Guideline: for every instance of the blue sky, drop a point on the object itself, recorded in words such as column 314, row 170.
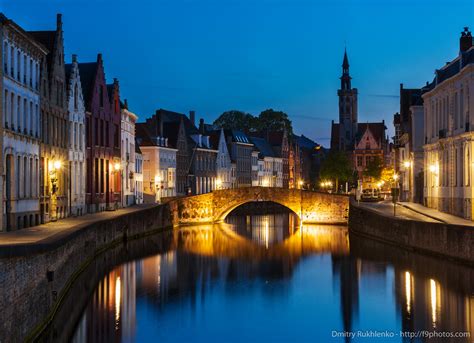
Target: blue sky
column 216, row 55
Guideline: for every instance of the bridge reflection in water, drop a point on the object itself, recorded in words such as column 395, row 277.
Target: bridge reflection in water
column 258, row 277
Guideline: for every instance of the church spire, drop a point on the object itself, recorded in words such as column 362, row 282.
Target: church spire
column 345, row 78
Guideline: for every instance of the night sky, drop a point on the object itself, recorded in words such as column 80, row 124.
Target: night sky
column 217, row 55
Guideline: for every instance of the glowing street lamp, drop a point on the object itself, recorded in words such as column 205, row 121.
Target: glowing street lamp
column 54, row 167
column 301, row 183
column 218, row 183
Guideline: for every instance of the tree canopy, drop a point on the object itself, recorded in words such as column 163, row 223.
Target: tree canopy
column 374, row 168
column 267, row 120
column 336, row 167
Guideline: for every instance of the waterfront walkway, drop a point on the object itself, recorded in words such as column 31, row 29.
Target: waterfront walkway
column 414, row 211
column 52, row 231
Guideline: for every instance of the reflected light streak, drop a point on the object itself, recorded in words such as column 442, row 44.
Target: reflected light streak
column 434, row 301
column 118, row 290
column 266, row 233
column 408, row 290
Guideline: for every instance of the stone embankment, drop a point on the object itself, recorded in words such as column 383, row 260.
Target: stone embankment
column 455, row 242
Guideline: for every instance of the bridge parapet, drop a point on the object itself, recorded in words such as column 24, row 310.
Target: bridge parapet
column 312, row 207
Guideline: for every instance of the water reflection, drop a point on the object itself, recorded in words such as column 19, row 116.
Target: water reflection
column 217, row 282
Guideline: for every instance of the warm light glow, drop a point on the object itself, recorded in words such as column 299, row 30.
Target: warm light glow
column 57, row 165
column 434, row 168
column 434, row 300
column 218, row 183
column 266, row 233
column 118, row 290
column 407, row 164
column 157, row 179
column 408, row 290
column 301, row 182
column 117, row 166
column 395, row 177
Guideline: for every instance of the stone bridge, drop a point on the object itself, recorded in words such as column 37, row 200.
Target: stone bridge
column 311, row 207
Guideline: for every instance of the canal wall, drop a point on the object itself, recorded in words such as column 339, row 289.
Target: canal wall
column 455, row 242
column 35, row 278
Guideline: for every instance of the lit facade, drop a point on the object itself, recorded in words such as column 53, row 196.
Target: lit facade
column 138, row 175
column 127, row 163
column 449, row 134
column 77, row 141
column 21, row 131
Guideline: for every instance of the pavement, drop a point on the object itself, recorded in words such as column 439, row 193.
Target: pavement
column 414, row 211
column 52, row 231
column 385, row 208
column 435, row 214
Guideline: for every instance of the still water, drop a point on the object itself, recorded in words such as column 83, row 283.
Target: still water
column 262, row 278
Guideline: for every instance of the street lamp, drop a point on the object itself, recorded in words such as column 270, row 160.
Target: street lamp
column 54, row 168
column 301, row 183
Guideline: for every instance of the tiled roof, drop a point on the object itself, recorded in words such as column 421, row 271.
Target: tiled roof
column 263, row 147
column 455, row 66
column 46, row 38
column 377, row 130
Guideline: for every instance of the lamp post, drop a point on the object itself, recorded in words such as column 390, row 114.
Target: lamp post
column 54, row 168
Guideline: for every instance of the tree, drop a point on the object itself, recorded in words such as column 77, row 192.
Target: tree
column 236, row 120
column 374, row 168
column 272, row 120
column 336, row 167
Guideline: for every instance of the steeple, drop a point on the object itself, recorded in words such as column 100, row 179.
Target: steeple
column 345, row 78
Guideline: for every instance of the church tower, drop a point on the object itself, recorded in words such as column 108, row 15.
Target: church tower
column 347, row 109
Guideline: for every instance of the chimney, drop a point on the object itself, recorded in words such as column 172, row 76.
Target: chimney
column 74, row 58
column 159, row 124
column 99, row 58
column 192, row 117
column 465, row 42
column 125, row 104
column 59, row 21
column 201, row 126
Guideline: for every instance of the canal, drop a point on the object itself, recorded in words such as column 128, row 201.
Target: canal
column 261, row 276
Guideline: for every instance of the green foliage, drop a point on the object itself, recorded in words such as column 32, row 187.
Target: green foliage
column 374, row 168
column 336, row 167
column 274, row 121
column 235, row 120
column 267, row 120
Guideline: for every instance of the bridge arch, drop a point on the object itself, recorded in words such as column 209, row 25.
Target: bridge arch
column 310, row 207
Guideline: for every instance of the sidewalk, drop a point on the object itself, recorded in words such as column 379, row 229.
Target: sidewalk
column 49, row 232
column 385, row 208
column 435, row 214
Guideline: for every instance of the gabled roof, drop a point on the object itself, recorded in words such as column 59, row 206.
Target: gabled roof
column 87, row 72
column 263, row 147
column 237, row 136
column 46, row 38
column 377, row 130
column 305, row 143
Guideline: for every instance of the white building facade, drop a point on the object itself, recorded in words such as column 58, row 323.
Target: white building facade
column 20, row 95
column 138, row 175
column 127, row 128
column 449, row 135
column 223, row 164
column 77, row 141
column 159, row 170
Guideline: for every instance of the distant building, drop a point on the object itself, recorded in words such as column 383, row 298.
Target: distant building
column 77, row 141
column 343, row 133
column 159, row 164
column 311, row 156
column 269, row 171
column 280, row 145
column 241, row 154
column 127, row 129
column 361, row 142
column 21, row 57
column 223, row 160
column 408, row 144
column 102, row 137
column 371, row 143
column 138, row 175
column 54, row 173
column 449, row 134
column 294, row 165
